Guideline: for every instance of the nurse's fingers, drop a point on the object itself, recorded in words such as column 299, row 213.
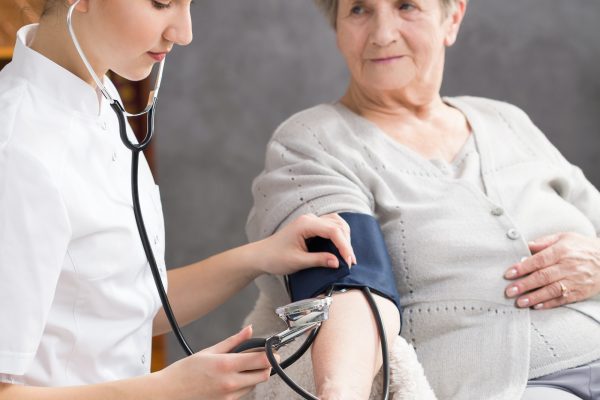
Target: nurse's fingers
column 251, row 361
column 242, row 392
column 320, row 260
column 335, row 232
column 231, row 342
column 341, row 222
column 245, row 381
column 231, row 384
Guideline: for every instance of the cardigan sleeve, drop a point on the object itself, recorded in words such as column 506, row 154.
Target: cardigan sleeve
column 305, row 172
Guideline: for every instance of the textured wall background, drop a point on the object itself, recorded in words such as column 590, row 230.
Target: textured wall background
column 255, row 62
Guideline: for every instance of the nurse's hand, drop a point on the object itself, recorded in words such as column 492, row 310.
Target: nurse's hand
column 214, row 374
column 285, row 252
column 564, row 268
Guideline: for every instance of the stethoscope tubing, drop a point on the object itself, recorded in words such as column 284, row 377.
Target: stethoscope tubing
column 153, row 94
column 139, row 219
column 271, row 343
column 135, row 148
column 268, row 344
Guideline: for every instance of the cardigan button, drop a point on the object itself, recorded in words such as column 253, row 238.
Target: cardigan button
column 498, row 211
column 513, row 234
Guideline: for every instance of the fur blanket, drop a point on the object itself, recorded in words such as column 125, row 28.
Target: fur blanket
column 407, row 379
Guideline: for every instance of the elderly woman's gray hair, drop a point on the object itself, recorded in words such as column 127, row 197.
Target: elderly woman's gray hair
column 329, row 7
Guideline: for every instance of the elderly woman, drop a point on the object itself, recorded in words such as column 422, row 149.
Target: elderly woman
column 491, row 232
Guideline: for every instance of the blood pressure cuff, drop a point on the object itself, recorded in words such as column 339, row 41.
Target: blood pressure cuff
column 373, row 268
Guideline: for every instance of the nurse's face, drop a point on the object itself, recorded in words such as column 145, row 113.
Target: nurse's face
column 130, row 36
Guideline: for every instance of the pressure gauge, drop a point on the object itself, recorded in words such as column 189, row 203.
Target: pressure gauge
column 305, row 311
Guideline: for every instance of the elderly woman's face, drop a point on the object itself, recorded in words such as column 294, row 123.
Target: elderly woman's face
column 390, row 44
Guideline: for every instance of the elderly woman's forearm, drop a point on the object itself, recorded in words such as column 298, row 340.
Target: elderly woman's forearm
column 347, row 352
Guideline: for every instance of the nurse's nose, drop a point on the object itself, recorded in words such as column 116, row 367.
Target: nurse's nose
column 180, row 30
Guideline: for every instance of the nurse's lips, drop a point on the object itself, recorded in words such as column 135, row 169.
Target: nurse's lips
column 157, row 56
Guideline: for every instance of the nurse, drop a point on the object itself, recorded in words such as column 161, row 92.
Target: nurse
column 78, row 306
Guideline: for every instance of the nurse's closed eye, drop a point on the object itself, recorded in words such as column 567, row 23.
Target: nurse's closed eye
column 160, row 5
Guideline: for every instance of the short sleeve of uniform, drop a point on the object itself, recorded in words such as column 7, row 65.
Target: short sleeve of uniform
column 34, row 235
column 306, row 171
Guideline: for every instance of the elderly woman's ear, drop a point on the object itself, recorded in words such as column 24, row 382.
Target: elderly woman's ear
column 453, row 21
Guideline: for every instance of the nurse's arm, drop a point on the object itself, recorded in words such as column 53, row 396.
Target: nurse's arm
column 211, row 373
column 154, row 386
column 347, row 351
column 137, row 388
column 199, row 288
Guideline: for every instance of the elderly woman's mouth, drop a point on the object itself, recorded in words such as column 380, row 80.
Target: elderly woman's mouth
column 385, row 60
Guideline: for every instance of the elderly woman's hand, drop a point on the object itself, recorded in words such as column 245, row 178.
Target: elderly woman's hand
column 564, row 268
column 285, row 252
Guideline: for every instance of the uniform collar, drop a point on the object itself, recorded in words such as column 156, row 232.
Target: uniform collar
column 60, row 84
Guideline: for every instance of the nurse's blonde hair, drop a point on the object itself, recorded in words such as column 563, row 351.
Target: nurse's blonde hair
column 29, row 10
column 49, row 5
column 330, row 8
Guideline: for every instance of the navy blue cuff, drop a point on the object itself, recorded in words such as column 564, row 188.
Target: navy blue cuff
column 373, row 270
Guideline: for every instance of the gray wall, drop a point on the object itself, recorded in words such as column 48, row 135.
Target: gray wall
column 255, row 62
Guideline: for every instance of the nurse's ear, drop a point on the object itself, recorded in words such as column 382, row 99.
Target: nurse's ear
column 82, row 5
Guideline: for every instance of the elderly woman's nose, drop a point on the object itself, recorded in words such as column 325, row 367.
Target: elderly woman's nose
column 384, row 30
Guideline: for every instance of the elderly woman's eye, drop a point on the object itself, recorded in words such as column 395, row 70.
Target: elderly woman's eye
column 406, row 6
column 357, row 10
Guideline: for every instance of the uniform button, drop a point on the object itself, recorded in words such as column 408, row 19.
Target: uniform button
column 114, row 156
column 513, row 234
column 155, row 239
column 496, row 212
column 104, row 126
column 143, row 359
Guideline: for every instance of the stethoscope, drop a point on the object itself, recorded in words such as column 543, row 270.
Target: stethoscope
column 305, row 316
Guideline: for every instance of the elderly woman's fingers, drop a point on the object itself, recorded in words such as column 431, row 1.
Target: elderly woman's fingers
column 557, row 294
column 565, row 270
column 544, row 258
column 538, row 279
column 555, row 291
column 543, row 242
column 553, row 303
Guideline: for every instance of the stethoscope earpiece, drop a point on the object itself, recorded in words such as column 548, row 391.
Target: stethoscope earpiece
column 153, row 94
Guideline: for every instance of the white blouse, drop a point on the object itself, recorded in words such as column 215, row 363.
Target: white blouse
column 77, row 296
